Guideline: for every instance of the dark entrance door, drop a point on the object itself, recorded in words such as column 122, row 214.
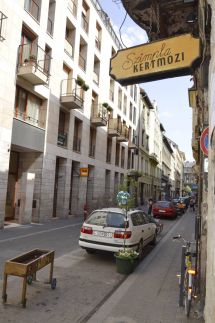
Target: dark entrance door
column 55, row 188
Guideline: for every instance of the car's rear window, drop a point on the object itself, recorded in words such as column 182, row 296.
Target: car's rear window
column 162, row 204
column 107, row 219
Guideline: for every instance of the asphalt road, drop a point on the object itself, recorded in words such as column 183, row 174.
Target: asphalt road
column 85, row 282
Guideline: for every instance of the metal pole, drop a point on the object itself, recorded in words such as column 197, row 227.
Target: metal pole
column 181, row 293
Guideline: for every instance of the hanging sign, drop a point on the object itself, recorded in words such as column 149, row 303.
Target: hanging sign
column 84, row 172
column 204, row 141
column 171, row 57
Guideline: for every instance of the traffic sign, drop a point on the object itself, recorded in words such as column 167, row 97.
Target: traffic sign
column 204, row 141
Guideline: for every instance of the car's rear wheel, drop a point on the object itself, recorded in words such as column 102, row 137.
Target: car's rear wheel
column 140, row 249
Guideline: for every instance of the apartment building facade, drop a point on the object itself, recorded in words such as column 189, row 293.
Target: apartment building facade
column 66, row 125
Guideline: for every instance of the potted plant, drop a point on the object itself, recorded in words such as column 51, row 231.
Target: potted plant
column 125, row 258
column 105, row 104
column 80, row 81
column 85, row 87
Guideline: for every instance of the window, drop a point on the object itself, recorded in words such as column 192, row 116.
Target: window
column 134, row 116
column 51, row 15
column 27, row 107
column 33, row 7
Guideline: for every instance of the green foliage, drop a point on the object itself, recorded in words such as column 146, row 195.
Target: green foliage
column 127, row 253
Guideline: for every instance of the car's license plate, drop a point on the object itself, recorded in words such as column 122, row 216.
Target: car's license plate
column 102, row 234
column 162, row 211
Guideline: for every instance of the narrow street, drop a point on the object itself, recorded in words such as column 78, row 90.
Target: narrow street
column 88, row 287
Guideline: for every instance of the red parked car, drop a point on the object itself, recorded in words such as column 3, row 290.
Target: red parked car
column 164, row 209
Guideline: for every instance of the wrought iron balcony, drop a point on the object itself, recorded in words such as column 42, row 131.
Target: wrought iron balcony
column 124, row 135
column 72, row 95
column 114, row 127
column 68, row 48
column 99, row 115
column 154, row 158
column 33, row 64
column 133, row 144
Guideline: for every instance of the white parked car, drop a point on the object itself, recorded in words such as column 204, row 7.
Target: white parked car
column 105, row 230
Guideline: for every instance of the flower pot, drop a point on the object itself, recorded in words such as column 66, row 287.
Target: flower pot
column 125, row 266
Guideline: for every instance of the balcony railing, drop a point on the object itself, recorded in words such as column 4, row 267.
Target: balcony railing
column 33, row 8
column 92, row 149
column 71, row 94
column 2, row 19
column 99, row 116
column 124, row 133
column 32, row 58
column 72, row 7
column 28, row 119
column 62, row 139
column 84, row 23
column 114, row 127
column 50, row 26
column 68, row 48
column 77, row 144
column 82, row 62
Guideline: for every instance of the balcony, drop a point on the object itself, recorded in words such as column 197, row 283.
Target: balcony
column 133, row 143
column 99, row 116
column 33, row 64
column 62, row 139
column 72, row 95
column 77, row 144
column 68, row 48
column 114, row 127
column 124, row 135
column 154, row 159
column 26, row 133
column 2, row 26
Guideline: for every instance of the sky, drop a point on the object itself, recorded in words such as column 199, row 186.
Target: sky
column 171, row 95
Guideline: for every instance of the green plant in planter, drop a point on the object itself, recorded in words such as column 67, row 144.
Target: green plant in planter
column 127, row 254
column 80, row 81
column 105, row 104
column 85, row 87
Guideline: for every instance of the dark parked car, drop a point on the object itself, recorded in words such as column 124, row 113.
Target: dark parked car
column 180, row 207
column 164, row 209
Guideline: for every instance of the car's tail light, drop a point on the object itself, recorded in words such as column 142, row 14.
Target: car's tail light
column 86, row 230
column 122, row 234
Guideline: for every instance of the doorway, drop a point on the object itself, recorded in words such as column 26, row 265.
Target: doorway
column 11, row 186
